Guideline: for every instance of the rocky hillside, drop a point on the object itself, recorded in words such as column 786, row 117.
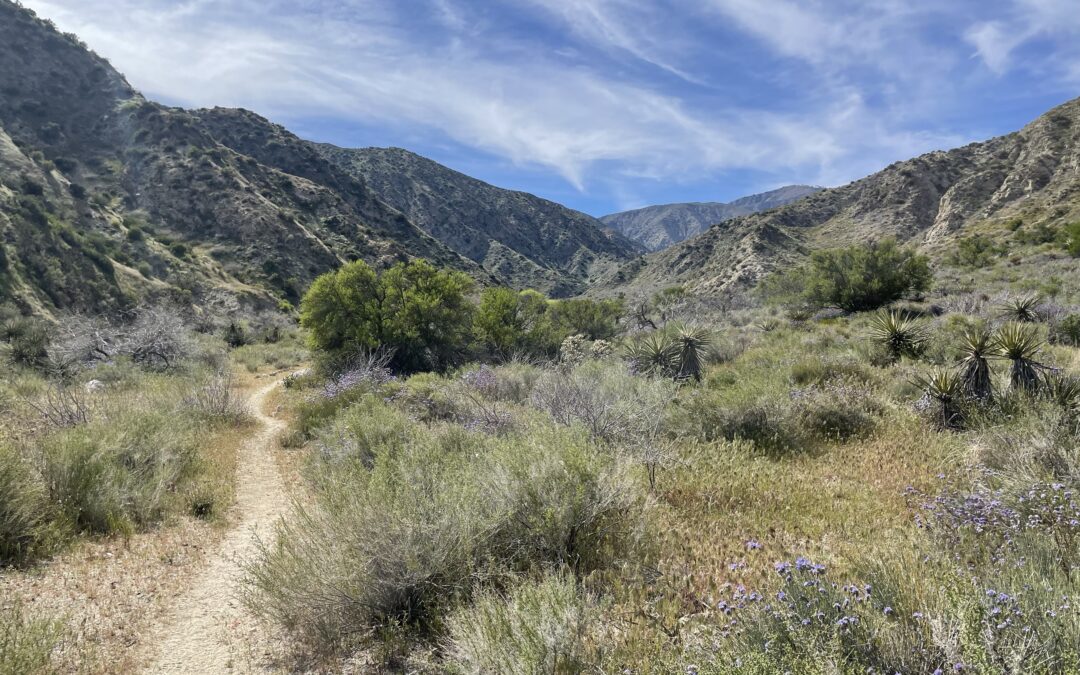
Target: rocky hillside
column 657, row 227
column 108, row 199
column 522, row 239
column 1028, row 179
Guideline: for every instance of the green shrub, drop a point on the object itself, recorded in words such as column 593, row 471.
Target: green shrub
column 29, row 342
column 413, row 309
column 978, row 250
column 840, row 411
column 854, row 279
column 363, row 431
column 26, row 644
column 429, row 522
column 121, row 473
column 539, row 627
column 595, row 319
column 1066, row 331
column 898, row 333
column 760, row 420
column 27, row 529
column 1072, row 239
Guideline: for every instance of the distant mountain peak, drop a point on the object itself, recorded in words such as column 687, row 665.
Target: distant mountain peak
column 1031, row 177
column 660, row 226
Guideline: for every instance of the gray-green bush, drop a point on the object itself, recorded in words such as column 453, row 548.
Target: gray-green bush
column 538, row 627
column 26, row 644
column 433, row 519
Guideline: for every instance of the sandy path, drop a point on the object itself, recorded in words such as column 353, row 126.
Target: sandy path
column 208, row 629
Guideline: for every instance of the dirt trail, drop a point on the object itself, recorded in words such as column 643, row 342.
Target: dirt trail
column 208, row 629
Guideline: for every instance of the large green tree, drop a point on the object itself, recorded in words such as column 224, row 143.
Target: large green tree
column 420, row 312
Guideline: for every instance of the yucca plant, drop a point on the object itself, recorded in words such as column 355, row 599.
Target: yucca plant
column 691, row 343
column 978, row 348
column 1024, row 309
column 944, row 388
column 900, row 334
column 1064, row 390
column 654, row 354
column 1020, row 344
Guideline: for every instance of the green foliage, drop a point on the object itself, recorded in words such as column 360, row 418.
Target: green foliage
column 26, row 526
column 432, row 520
column 1066, row 331
column 945, row 388
column 26, row 644
column 1063, row 390
column 29, row 342
column 1020, row 344
column 509, row 323
column 1072, row 239
column 113, row 462
column 676, row 351
column 978, row 250
column 854, row 279
column 498, row 322
column 118, row 476
column 538, row 627
column 595, row 319
column 1023, row 309
column 419, row 312
column 653, row 353
column 1042, row 233
column 977, row 348
column 691, row 343
column 899, row 333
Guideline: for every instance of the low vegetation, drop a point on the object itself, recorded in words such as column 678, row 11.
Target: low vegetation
column 751, row 495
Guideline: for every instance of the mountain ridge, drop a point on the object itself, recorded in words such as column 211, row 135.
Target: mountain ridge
column 930, row 201
column 659, row 226
column 108, row 199
column 558, row 248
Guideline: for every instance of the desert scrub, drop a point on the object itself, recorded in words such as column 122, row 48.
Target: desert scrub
column 140, row 452
column 27, row 526
column 540, row 626
column 606, row 400
column 899, row 614
column 277, row 355
column 122, row 473
column 403, row 541
column 26, row 644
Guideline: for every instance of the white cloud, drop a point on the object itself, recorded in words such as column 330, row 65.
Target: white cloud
column 366, row 61
column 1024, row 22
column 633, row 26
column 994, row 43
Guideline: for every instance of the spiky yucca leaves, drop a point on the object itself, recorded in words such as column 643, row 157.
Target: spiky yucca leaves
column 691, row 343
column 944, row 388
column 900, row 334
column 1024, row 309
column 1064, row 390
column 978, row 348
column 654, row 353
column 1020, row 344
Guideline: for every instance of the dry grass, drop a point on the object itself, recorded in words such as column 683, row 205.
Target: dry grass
column 110, row 592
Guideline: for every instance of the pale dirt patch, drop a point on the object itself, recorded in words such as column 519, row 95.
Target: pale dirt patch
column 107, row 591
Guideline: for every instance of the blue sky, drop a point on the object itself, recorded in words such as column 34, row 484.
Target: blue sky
column 605, row 105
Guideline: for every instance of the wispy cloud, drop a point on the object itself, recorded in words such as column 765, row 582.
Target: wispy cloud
column 1022, row 22
column 608, row 94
